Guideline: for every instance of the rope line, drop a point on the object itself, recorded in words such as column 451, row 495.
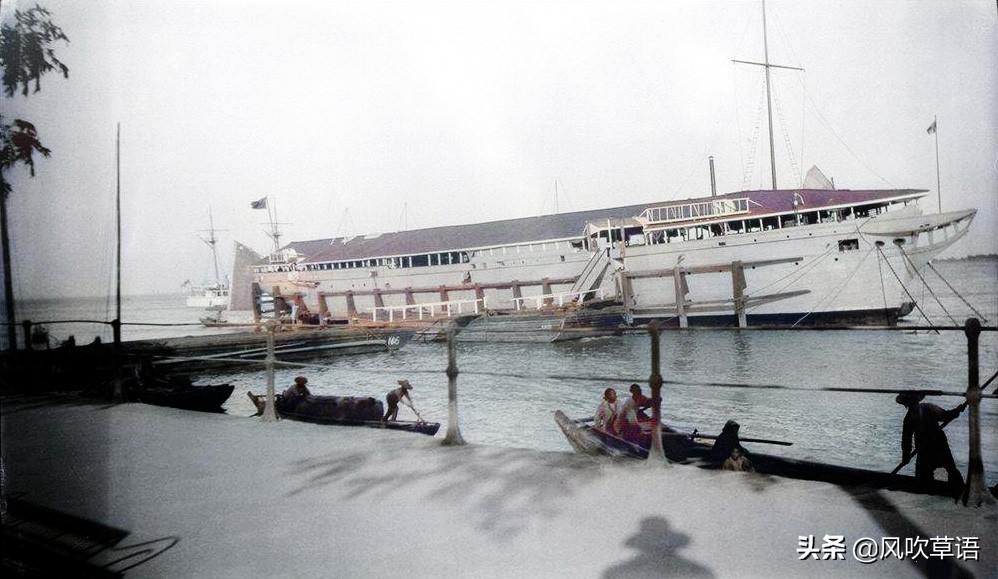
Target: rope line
column 925, row 285
column 837, row 290
column 953, row 289
column 911, row 297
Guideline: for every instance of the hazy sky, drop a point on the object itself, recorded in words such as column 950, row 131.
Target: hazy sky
column 360, row 117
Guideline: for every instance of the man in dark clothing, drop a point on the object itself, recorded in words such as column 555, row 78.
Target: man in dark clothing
column 393, row 398
column 921, row 423
column 295, row 394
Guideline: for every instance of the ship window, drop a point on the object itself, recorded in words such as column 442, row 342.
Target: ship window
column 848, row 244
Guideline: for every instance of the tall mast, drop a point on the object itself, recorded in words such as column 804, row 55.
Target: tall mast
column 116, row 324
column 274, row 233
column 769, row 95
column 211, row 241
column 117, row 212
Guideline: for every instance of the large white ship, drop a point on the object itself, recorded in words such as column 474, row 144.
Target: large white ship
column 807, row 256
column 812, row 254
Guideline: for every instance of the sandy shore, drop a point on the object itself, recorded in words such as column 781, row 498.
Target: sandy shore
column 206, row 495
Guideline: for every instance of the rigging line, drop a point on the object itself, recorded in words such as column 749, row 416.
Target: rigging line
column 897, row 277
column 842, row 141
column 800, row 274
column 838, row 289
column 883, row 288
column 953, row 289
column 925, row 285
column 786, row 136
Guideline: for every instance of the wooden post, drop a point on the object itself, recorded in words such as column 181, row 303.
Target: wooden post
column 26, row 325
column 453, row 437
column 409, row 299
column 257, row 313
column 379, row 300
column 656, row 454
column 323, row 310
column 738, row 286
column 517, row 294
column 269, row 410
column 351, row 306
column 677, row 279
column 976, row 490
column 546, row 290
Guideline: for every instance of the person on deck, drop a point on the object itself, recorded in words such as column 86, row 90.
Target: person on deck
column 606, row 412
column 295, row 394
column 921, row 424
column 394, row 397
column 626, row 423
column 641, row 402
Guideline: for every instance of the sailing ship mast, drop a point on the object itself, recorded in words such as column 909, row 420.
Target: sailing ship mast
column 211, row 241
column 116, row 323
column 769, row 96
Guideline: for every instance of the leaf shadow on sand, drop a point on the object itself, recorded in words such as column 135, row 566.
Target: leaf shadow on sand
column 503, row 489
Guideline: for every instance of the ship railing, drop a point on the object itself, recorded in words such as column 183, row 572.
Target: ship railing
column 559, row 298
column 429, row 309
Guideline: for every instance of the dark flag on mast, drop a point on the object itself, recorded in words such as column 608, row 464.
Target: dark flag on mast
column 932, row 128
column 259, row 204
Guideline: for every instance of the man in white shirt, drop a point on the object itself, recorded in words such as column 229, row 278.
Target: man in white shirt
column 607, row 411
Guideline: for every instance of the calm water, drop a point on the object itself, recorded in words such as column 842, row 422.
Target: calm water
column 508, row 391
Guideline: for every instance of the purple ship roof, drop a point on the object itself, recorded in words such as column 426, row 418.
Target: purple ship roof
column 563, row 225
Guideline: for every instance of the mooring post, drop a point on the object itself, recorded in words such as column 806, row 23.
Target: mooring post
column 119, row 395
column 453, row 437
column 680, row 289
column 26, row 324
column 656, row 454
column 269, row 409
column 976, row 490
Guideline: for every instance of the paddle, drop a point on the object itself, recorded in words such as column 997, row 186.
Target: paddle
column 411, row 407
column 740, row 439
column 695, row 434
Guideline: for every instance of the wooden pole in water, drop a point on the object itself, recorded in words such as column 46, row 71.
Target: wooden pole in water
column 656, row 453
column 269, row 409
column 453, row 437
column 976, row 491
column 116, row 322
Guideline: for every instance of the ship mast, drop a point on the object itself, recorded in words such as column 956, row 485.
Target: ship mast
column 211, row 241
column 274, row 233
column 769, row 96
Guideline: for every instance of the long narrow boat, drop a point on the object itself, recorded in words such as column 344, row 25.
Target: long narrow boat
column 318, row 412
column 685, row 449
column 208, row 398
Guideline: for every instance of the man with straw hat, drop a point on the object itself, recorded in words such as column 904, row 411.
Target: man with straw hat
column 394, row 397
column 921, row 423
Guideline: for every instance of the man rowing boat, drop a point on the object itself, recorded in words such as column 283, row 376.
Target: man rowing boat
column 921, row 424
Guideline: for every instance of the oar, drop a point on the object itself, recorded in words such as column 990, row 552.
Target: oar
column 740, row 439
column 411, row 407
column 695, row 434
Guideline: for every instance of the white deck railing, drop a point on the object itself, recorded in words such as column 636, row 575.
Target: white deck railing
column 419, row 310
column 558, row 297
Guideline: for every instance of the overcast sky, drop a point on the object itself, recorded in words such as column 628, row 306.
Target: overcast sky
column 361, row 117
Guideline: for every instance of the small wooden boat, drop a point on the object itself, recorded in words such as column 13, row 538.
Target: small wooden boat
column 343, row 411
column 207, row 398
column 684, row 448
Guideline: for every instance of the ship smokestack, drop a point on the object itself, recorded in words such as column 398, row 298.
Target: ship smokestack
column 713, row 184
